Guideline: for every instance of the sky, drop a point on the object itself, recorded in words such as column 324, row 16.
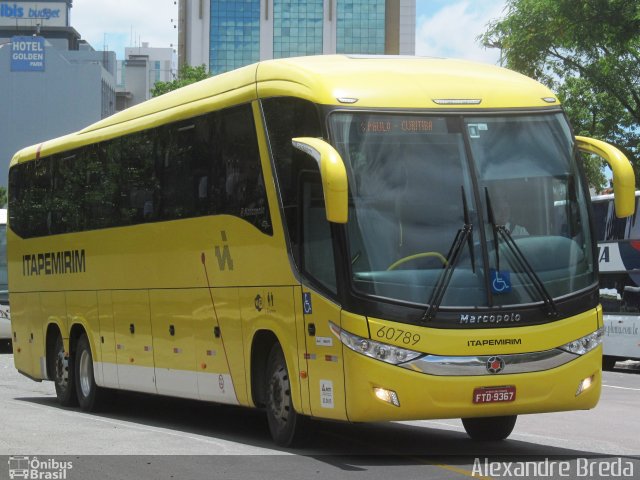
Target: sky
column 449, row 28
column 117, row 24
column 444, row 28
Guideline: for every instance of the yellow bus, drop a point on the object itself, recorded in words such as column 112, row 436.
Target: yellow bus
column 346, row 238
column 5, row 316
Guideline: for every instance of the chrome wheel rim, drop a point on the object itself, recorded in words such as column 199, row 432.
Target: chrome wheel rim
column 85, row 373
column 280, row 395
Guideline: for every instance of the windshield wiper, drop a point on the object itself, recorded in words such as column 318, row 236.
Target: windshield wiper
column 467, row 222
column 464, row 234
column 520, row 259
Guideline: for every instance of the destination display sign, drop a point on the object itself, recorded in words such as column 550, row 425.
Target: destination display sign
column 394, row 124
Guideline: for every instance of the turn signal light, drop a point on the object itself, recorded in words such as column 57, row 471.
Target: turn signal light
column 388, row 396
column 585, row 384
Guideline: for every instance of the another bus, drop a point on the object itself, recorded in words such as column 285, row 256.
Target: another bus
column 318, row 237
column 619, row 262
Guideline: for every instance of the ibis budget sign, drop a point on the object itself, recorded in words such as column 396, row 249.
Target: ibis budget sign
column 27, row 54
column 21, row 14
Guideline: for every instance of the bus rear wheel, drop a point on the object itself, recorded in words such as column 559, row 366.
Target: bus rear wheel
column 489, row 428
column 91, row 397
column 63, row 374
column 285, row 424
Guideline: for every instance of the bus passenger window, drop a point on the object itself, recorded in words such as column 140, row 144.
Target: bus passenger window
column 38, row 199
column 138, row 182
column 244, row 186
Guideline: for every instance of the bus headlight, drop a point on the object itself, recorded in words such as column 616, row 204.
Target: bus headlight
column 378, row 350
column 585, row 344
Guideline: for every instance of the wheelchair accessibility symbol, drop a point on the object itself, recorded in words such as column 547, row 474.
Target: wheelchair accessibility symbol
column 306, row 303
column 500, row 281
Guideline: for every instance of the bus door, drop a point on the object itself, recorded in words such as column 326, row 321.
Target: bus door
column 134, row 342
column 323, row 349
column 323, row 352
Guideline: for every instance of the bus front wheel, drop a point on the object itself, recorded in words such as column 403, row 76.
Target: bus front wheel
column 489, row 428
column 63, row 375
column 285, row 424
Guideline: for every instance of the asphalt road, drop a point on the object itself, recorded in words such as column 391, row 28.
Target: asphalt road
column 155, row 437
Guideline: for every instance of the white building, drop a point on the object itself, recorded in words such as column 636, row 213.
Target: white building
column 52, row 81
column 142, row 67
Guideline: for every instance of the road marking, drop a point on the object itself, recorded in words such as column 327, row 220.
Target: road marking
column 461, row 471
column 622, row 388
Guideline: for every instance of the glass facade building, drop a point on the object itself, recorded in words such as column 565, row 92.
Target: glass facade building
column 361, row 26
column 228, row 34
column 297, row 28
column 235, row 34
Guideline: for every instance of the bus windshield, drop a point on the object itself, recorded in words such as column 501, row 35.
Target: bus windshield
column 417, row 181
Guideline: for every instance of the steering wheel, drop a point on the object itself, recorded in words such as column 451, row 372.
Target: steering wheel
column 416, row 256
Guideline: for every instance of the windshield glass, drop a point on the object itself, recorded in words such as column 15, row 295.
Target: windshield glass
column 408, row 176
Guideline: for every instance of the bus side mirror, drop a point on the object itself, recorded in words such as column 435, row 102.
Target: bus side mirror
column 624, row 180
column 333, row 173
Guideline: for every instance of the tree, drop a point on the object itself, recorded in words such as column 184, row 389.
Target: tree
column 587, row 51
column 3, row 197
column 186, row 76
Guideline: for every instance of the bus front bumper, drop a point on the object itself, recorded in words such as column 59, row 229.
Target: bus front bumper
column 377, row 391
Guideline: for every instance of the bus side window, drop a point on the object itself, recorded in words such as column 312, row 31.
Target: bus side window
column 316, row 232
column 38, row 197
column 205, row 165
column 30, row 201
column 245, row 190
column 138, row 182
column 99, row 209
column 298, row 179
column 176, row 163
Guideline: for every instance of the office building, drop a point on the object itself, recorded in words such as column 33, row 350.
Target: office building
column 52, row 82
column 227, row 34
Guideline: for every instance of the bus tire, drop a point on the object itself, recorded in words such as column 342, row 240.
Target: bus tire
column 285, row 424
column 91, row 397
column 609, row 362
column 489, row 428
column 63, row 374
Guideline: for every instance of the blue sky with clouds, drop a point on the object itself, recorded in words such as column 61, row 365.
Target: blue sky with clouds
column 444, row 28
column 449, row 28
column 117, row 24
